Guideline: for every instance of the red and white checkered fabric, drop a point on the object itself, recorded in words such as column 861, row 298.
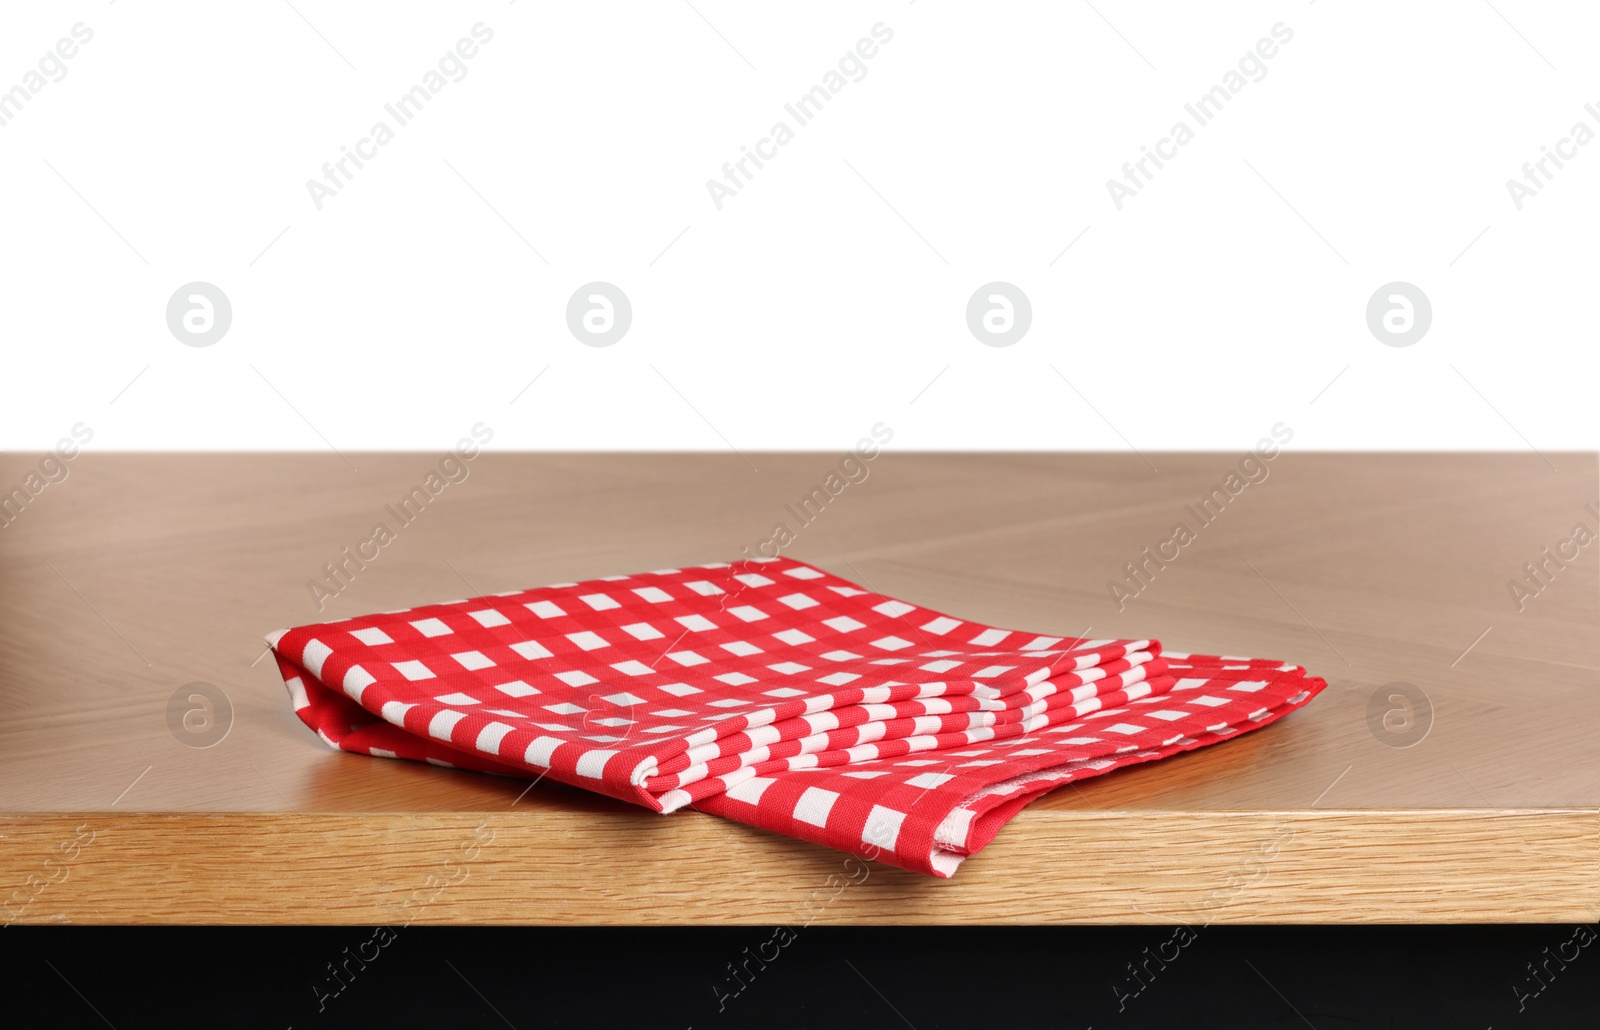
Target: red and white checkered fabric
column 770, row 692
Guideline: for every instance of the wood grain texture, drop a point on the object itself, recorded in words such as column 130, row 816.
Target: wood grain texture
column 140, row 574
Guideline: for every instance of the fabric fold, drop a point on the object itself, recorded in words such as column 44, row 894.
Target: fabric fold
column 770, row 692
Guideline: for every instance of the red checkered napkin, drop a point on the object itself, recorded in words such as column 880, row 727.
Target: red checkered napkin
column 731, row 687
column 930, row 812
column 674, row 685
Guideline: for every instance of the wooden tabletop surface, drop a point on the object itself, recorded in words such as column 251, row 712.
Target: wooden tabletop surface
column 1450, row 772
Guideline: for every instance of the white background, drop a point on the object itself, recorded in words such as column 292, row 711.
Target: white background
column 828, row 295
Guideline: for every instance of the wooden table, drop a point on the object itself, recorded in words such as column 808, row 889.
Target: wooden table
column 139, row 575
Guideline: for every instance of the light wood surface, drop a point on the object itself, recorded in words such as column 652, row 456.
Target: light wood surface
column 140, row 574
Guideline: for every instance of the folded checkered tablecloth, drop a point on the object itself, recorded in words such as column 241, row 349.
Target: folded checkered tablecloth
column 770, row 692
